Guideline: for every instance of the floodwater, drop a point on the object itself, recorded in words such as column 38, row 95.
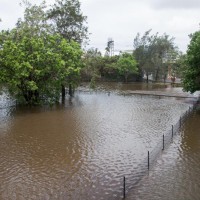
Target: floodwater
column 82, row 149
column 176, row 173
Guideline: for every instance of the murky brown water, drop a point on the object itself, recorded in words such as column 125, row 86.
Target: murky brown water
column 83, row 149
column 176, row 174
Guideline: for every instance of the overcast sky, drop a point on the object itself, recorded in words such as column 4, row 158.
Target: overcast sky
column 122, row 19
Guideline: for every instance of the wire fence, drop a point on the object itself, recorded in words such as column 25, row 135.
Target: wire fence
column 129, row 181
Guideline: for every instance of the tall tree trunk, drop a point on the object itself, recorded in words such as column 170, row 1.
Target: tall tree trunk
column 157, row 71
column 165, row 77
column 36, row 93
column 147, row 77
column 126, row 77
column 70, row 90
column 63, row 92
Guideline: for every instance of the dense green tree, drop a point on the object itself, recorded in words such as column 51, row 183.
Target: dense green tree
column 153, row 53
column 34, row 68
column 93, row 62
column 109, row 67
column 180, row 65
column 35, row 22
column 143, row 51
column 68, row 20
column 127, row 65
column 34, row 61
column 99, row 67
column 191, row 75
column 164, row 54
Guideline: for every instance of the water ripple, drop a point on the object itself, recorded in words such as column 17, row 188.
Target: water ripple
column 83, row 150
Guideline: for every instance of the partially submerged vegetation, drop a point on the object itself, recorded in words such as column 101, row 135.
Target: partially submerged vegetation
column 43, row 54
column 37, row 58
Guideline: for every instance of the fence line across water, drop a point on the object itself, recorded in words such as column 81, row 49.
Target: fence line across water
column 130, row 180
column 147, row 163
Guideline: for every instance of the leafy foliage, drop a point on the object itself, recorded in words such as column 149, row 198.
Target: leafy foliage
column 191, row 75
column 34, row 68
column 127, row 65
column 35, row 22
column 97, row 66
column 68, row 20
column 154, row 53
column 34, row 62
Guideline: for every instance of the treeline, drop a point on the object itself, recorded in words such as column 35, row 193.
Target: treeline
column 154, row 55
column 105, row 68
column 43, row 54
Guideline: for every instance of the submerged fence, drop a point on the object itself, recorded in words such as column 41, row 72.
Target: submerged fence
column 128, row 182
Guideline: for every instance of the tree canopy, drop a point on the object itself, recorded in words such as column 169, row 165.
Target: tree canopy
column 127, row 65
column 154, row 53
column 68, row 20
column 191, row 74
column 34, row 68
column 35, row 62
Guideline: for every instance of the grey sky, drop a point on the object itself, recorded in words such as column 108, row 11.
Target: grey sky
column 121, row 20
column 176, row 4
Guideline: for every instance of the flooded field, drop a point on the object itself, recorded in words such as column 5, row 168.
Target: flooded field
column 82, row 149
column 176, row 173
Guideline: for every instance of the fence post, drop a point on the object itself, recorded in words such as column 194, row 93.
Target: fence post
column 124, row 189
column 148, row 160
column 172, row 131
column 163, row 142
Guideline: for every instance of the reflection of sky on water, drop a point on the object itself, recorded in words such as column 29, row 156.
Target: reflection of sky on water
column 89, row 143
column 176, row 173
